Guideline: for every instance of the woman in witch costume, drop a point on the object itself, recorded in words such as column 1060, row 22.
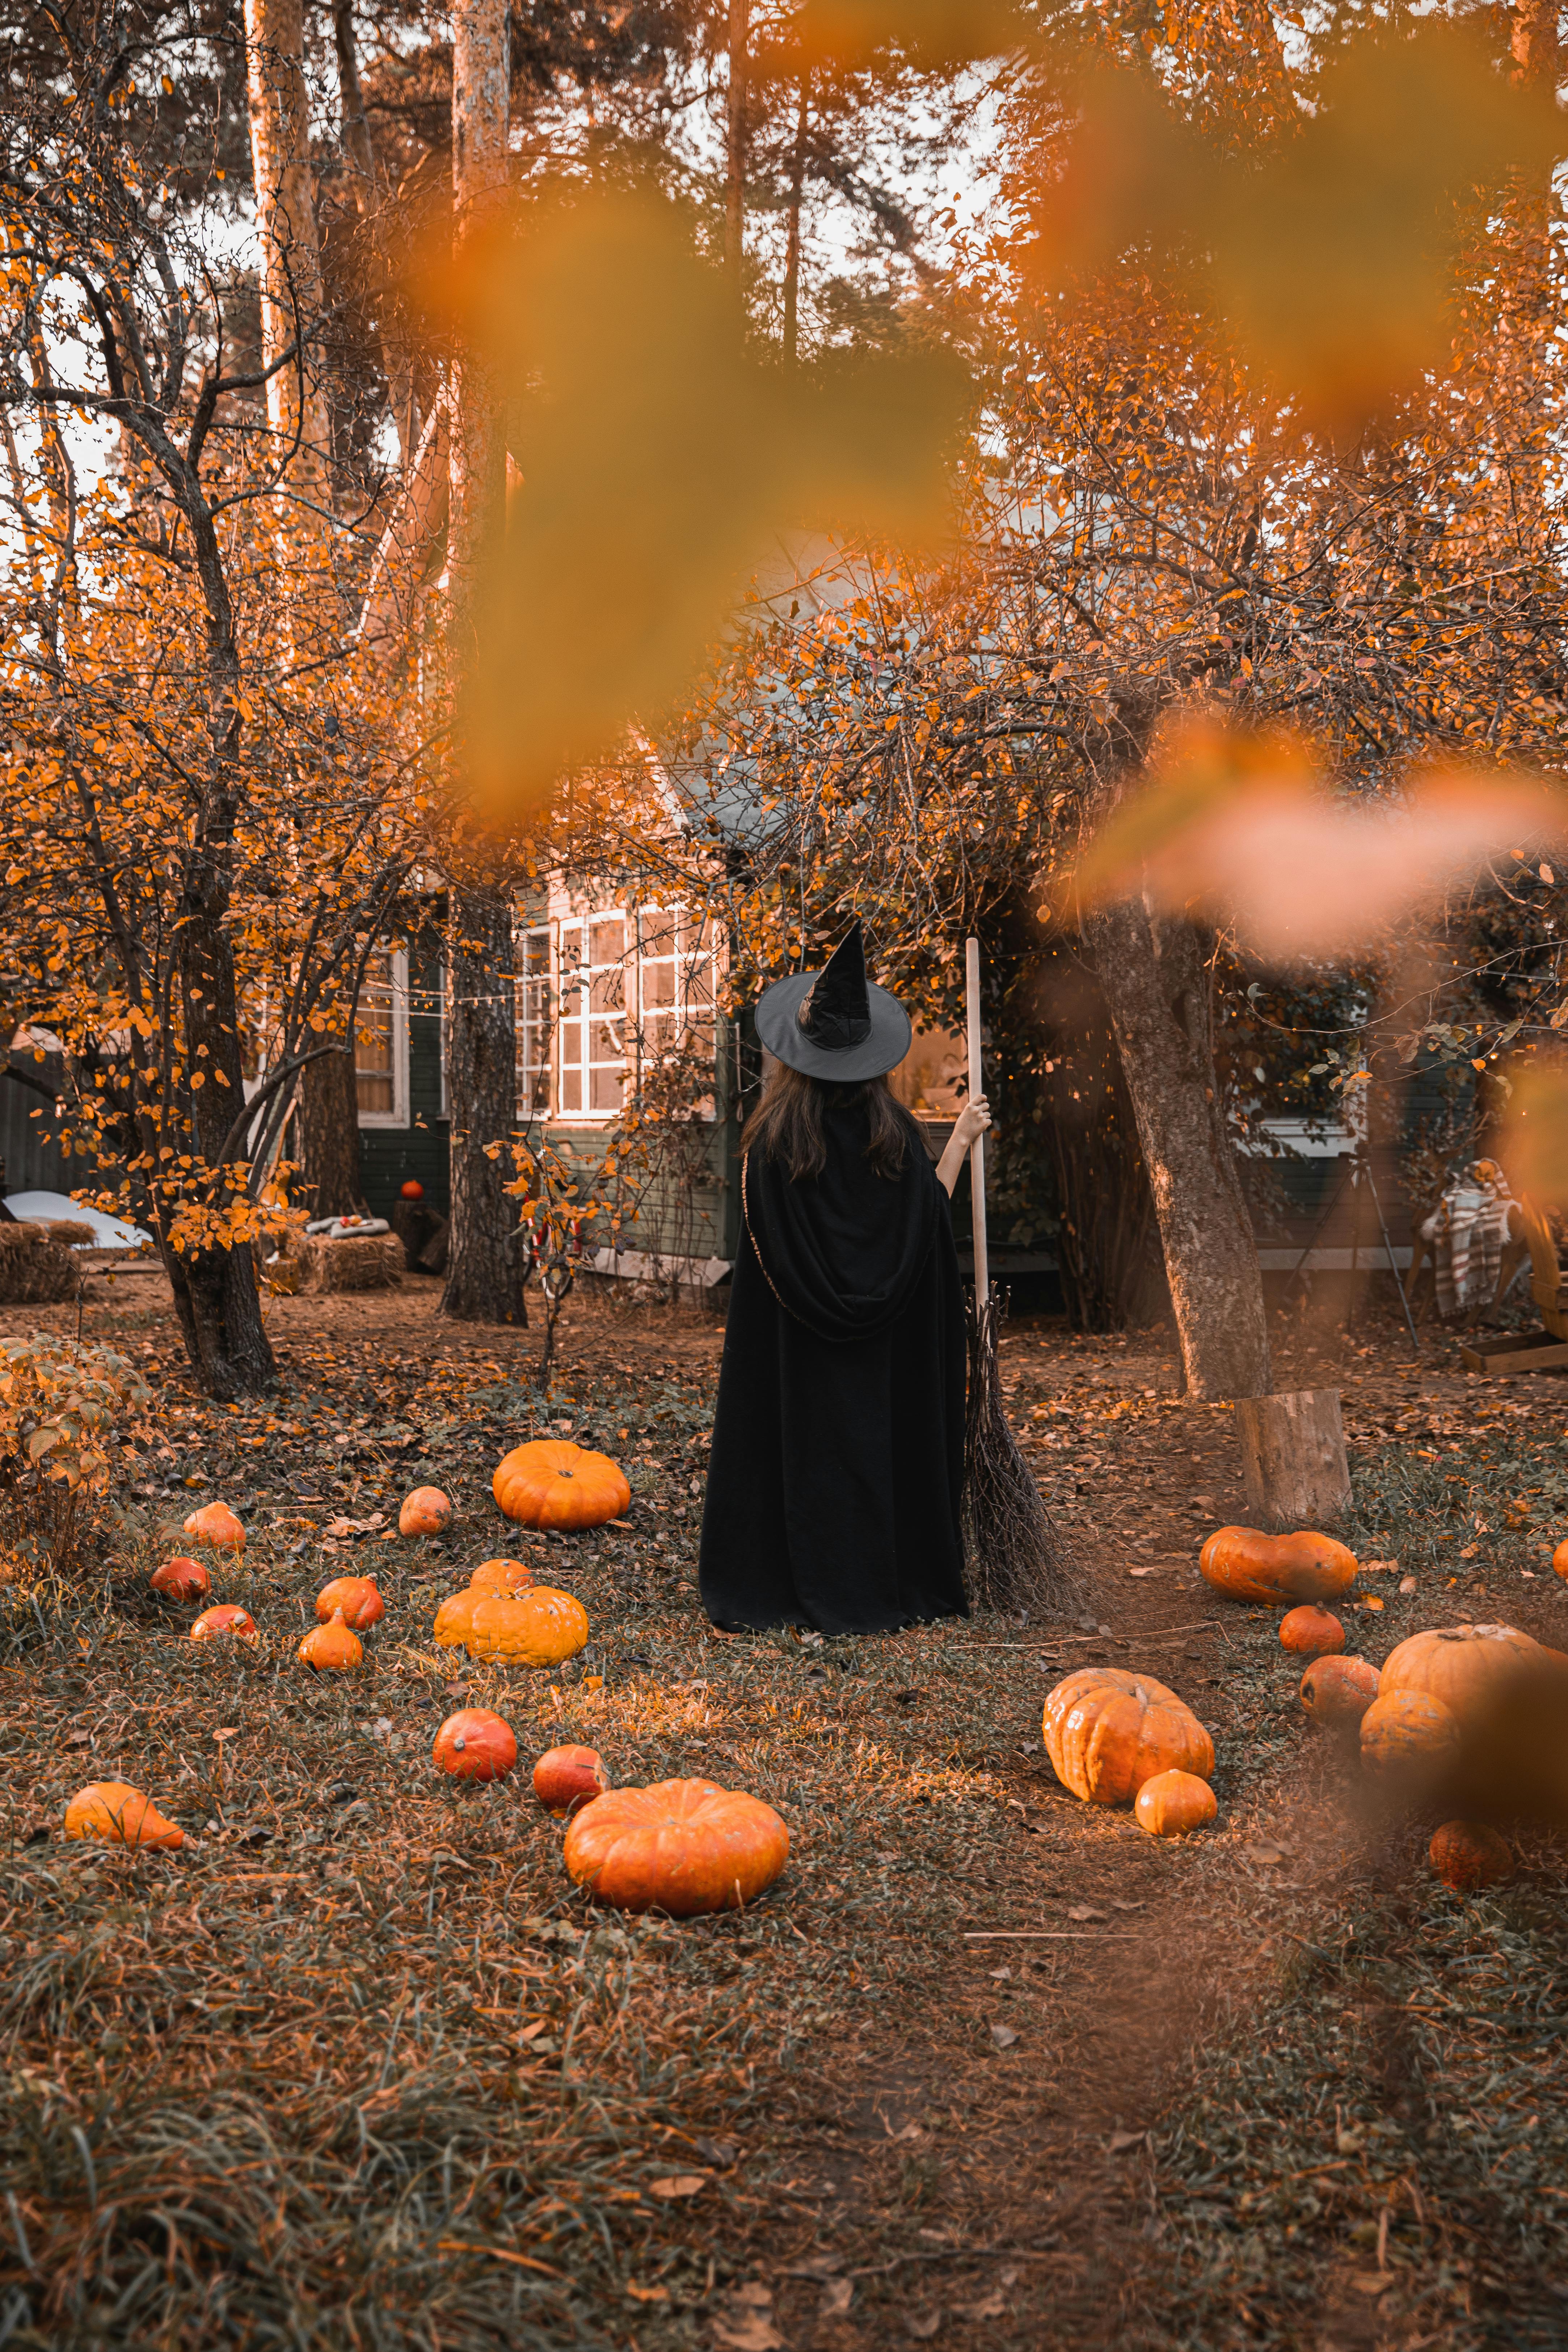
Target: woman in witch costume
column 833, row 1487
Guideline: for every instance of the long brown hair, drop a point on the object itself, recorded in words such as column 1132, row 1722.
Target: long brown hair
column 786, row 1125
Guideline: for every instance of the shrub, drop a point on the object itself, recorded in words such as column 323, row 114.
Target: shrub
column 59, row 1403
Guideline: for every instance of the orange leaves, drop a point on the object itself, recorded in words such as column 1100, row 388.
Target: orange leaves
column 660, row 461
column 1329, row 252
column 1243, row 828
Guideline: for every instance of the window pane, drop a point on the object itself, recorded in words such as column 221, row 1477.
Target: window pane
column 373, row 1067
column 658, row 983
column 570, row 1090
column 607, row 990
column 607, row 935
column 606, row 1087
column 659, row 932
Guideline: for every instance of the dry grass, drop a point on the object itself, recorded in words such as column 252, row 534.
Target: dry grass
column 359, row 2068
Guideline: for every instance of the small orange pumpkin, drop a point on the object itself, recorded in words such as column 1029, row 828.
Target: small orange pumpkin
column 1407, row 1734
column 1336, row 1692
column 1106, row 1732
column 356, row 1596
column 1467, row 1855
column 1311, row 1632
column 426, row 1512
column 551, row 1484
column 216, row 1523
column 453, row 1619
column 1275, row 1570
column 1459, row 1665
column 181, row 1580
column 475, row 1745
column 117, row 1814
column 225, row 1622
column 331, row 1649
column 501, row 1576
column 682, row 1846
column 1172, row 1803
column 540, row 1627
column 1560, row 1559
column 567, row 1779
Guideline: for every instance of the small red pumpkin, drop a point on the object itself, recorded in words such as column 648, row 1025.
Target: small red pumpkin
column 1336, row 1692
column 1467, row 1855
column 411, row 1188
column 1311, row 1632
column 356, row 1596
column 1172, row 1803
column 475, row 1745
column 567, row 1779
column 426, row 1512
column 181, row 1580
column 225, row 1622
column 331, row 1649
column 216, row 1523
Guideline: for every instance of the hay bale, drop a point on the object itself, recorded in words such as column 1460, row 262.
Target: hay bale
column 34, row 1271
column 371, row 1262
column 69, row 1231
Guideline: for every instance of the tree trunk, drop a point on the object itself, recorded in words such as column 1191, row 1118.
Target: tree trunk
column 286, row 221
column 484, row 1270
column 329, row 1137
column 792, row 242
column 484, row 1276
column 215, row 1289
column 1152, row 972
column 735, row 144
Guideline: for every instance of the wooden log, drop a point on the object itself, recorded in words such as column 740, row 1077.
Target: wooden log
column 1293, row 1454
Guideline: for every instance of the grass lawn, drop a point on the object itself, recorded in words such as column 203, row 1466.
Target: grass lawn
column 987, row 2066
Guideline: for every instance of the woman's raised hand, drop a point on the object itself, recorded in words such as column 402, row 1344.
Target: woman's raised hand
column 973, row 1119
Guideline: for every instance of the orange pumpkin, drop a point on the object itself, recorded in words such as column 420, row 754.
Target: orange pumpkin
column 1311, row 1632
column 426, row 1512
column 567, row 1779
column 1275, row 1570
column 1107, row 1731
column 1560, row 1559
column 1407, row 1733
column 1467, row 1855
column 540, row 1627
column 1460, row 1665
column 683, row 1846
column 1172, row 1803
column 181, row 1580
column 551, row 1484
column 225, row 1621
column 331, row 1649
column 1337, row 1692
column 216, row 1523
column 475, row 1745
column 501, row 1576
column 453, row 1619
column 117, row 1814
column 356, row 1596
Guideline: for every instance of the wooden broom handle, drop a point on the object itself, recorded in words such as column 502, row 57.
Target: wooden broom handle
column 977, row 1149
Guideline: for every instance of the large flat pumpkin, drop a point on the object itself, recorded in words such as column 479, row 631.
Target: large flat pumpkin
column 1276, row 1571
column 1107, row 1731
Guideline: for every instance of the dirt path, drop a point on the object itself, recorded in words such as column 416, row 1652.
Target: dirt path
column 989, row 2066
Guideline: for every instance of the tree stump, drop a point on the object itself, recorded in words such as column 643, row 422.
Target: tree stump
column 1293, row 1453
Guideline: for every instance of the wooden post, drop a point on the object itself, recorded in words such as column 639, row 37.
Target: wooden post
column 1293, row 1453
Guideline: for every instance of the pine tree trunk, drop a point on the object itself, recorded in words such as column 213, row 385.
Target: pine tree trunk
column 280, row 110
column 1152, row 972
column 484, row 1270
column 484, row 1275
column 735, row 144
column 791, row 236
column 329, row 1137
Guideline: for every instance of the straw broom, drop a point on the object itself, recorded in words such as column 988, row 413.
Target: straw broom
column 1015, row 1557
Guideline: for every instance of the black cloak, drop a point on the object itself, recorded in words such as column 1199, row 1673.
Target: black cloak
column 833, row 1485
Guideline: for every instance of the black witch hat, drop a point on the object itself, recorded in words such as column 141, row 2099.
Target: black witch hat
column 834, row 1023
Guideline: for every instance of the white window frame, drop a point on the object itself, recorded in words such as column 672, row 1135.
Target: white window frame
column 636, row 1015
column 398, row 1117
column 536, row 1026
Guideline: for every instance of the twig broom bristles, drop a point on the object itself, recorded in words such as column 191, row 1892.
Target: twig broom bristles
column 1015, row 1557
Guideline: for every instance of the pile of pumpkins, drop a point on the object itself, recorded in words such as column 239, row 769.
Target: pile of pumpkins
column 680, row 1846
column 1412, row 1717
